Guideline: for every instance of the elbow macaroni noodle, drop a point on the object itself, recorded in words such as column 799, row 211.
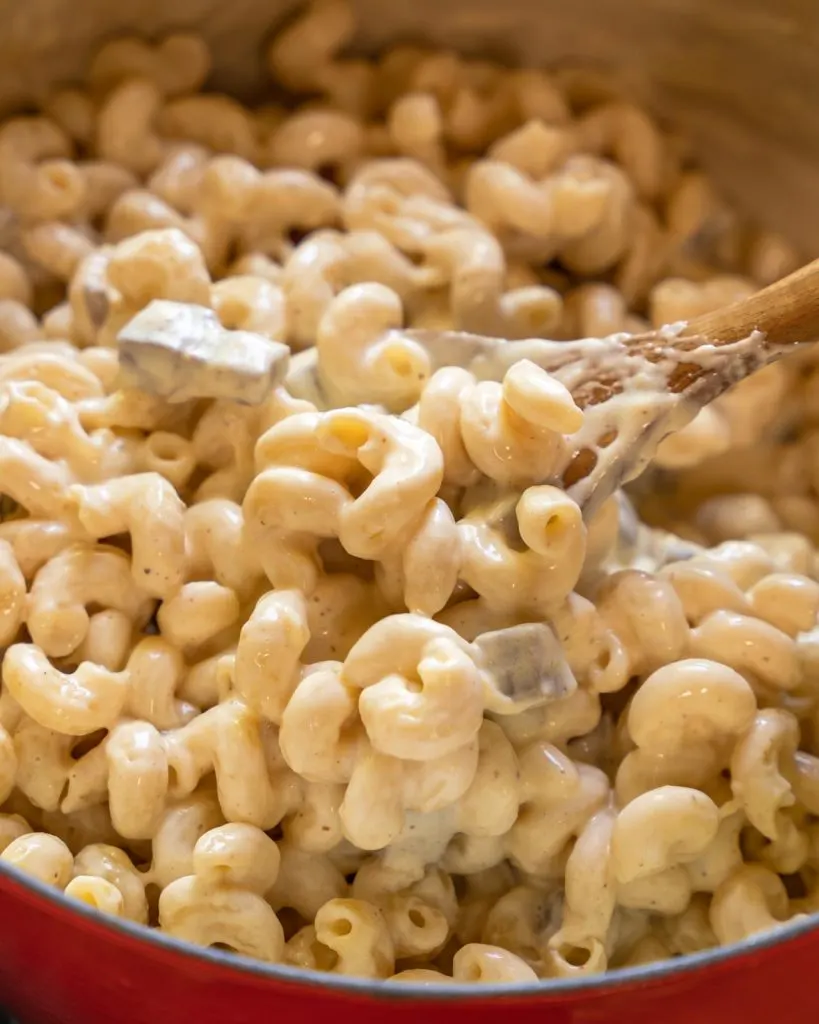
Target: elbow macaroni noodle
column 341, row 679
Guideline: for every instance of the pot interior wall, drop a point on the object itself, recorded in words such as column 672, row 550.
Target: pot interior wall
column 740, row 78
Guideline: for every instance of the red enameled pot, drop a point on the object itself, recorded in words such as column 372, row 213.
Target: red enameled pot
column 61, row 963
column 741, row 79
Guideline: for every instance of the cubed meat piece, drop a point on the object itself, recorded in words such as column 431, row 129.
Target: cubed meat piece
column 179, row 351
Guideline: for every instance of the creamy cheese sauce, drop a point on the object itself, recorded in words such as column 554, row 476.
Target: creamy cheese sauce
column 621, row 432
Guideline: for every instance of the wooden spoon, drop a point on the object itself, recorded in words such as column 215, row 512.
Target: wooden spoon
column 635, row 389
column 700, row 361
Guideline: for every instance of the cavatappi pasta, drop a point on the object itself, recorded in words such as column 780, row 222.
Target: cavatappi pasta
column 348, row 684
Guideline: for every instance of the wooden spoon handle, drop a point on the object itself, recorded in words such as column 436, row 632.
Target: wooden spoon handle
column 787, row 312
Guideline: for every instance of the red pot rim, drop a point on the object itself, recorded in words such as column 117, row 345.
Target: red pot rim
column 619, row 979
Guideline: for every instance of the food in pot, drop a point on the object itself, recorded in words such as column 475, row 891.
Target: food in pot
column 329, row 669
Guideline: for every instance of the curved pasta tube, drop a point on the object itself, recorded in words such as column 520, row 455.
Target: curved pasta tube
column 107, row 642
column 416, row 929
column 267, row 666
column 482, row 964
column 290, row 510
column 320, row 732
column 474, row 261
column 37, row 178
column 238, row 855
column 71, row 581
column 125, row 131
column 590, row 889
column 205, row 914
column 401, row 200
column 703, row 589
column 490, row 806
column 198, row 614
column 230, row 740
column 761, row 762
column 362, row 354
column 513, row 431
column 748, row 645
column 177, row 63
column 98, row 860
column 311, row 276
column 560, row 208
column 753, row 899
column 66, row 376
column 32, row 412
column 439, row 783
column 661, row 829
column 147, row 507
column 183, row 825
column 721, row 858
column 35, row 542
column 156, row 264
column 609, row 239
column 439, row 413
column 304, row 950
column 90, row 698
column 667, row 892
column 34, row 482
column 421, row 725
column 354, row 446
column 42, row 856
column 8, row 765
column 137, row 779
column 647, row 617
column 211, row 119
column 168, row 454
column 155, row 669
column 328, row 261
column 691, row 765
column 557, row 797
column 317, row 138
column 282, row 524
column 44, row 764
column 314, row 463
column 216, row 546
column 246, row 302
column 283, row 200
column 394, row 645
column 315, row 825
column 306, row 881
column 207, row 681
column 357, row 933
column 98, row 893
column 694, row 701
column 292, row 442
column 407, row 469
column 540, row 576
column 786, row 600
column 372, row 811
column 223, row 442
column 86, row 782
column 12, row 594
column 424, row 574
